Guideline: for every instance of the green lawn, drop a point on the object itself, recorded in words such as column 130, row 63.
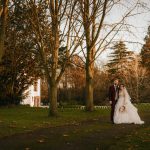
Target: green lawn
column 74, row 127
column 23, row 119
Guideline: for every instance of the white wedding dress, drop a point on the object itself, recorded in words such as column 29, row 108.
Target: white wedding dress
column 125, row 111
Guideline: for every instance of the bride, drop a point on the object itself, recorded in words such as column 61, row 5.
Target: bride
column 125, row 111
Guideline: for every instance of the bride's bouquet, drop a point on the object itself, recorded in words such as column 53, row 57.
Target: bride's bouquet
column 122, row 108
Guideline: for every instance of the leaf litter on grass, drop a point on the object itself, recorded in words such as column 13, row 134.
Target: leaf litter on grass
column 41, row 141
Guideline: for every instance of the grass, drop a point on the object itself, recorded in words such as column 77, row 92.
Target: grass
column 88, row 130
column 23, row 119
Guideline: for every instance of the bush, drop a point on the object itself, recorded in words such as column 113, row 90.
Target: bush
column 8, row 99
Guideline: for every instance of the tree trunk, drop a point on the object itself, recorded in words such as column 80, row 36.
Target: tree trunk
column 89, row 92
column 89, row 82
column 54, row 5
column 52, row 92
column 3, row 18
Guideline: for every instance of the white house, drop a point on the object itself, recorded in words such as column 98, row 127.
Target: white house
column 33, row 95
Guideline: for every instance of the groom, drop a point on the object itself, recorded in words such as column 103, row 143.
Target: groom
column 113, row 96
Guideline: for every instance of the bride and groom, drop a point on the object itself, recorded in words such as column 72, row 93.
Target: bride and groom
column 122, row 110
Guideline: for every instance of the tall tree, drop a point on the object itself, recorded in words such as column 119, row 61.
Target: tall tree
column 99, row 34
column 120, row 58
column 145, row 56
column 52, row 23
column 136, row 77
column 89, row 11
column 20, row 66
column 145, row 52
column 3, row 21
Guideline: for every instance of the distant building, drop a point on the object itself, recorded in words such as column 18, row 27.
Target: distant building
column 33, row 94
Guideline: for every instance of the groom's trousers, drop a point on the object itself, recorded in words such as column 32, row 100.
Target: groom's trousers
column 112, row 110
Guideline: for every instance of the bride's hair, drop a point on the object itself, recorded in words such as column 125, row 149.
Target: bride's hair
column 121, row 85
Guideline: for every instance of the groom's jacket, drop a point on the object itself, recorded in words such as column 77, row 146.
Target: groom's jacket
column 113, row 93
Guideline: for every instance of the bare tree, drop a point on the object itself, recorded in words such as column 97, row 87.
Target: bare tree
column 52, row 26
column 135, row 75
column 99, row 34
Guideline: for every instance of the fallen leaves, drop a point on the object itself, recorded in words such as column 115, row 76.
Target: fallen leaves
column 1, row 121
column 12, row 126
column 65, row 135
column 41, row 141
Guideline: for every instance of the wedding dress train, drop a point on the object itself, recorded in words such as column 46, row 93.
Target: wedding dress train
column 125, row 111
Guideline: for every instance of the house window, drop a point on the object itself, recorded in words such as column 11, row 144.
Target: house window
column 35, row 86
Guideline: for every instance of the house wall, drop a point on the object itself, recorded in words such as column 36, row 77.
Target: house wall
column 34, row 95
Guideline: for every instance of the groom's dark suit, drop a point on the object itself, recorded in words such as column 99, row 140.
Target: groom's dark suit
column 113, row 97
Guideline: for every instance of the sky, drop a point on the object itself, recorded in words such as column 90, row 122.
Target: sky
column 139, row 22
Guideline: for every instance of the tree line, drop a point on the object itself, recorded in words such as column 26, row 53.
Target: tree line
column 41, row 38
